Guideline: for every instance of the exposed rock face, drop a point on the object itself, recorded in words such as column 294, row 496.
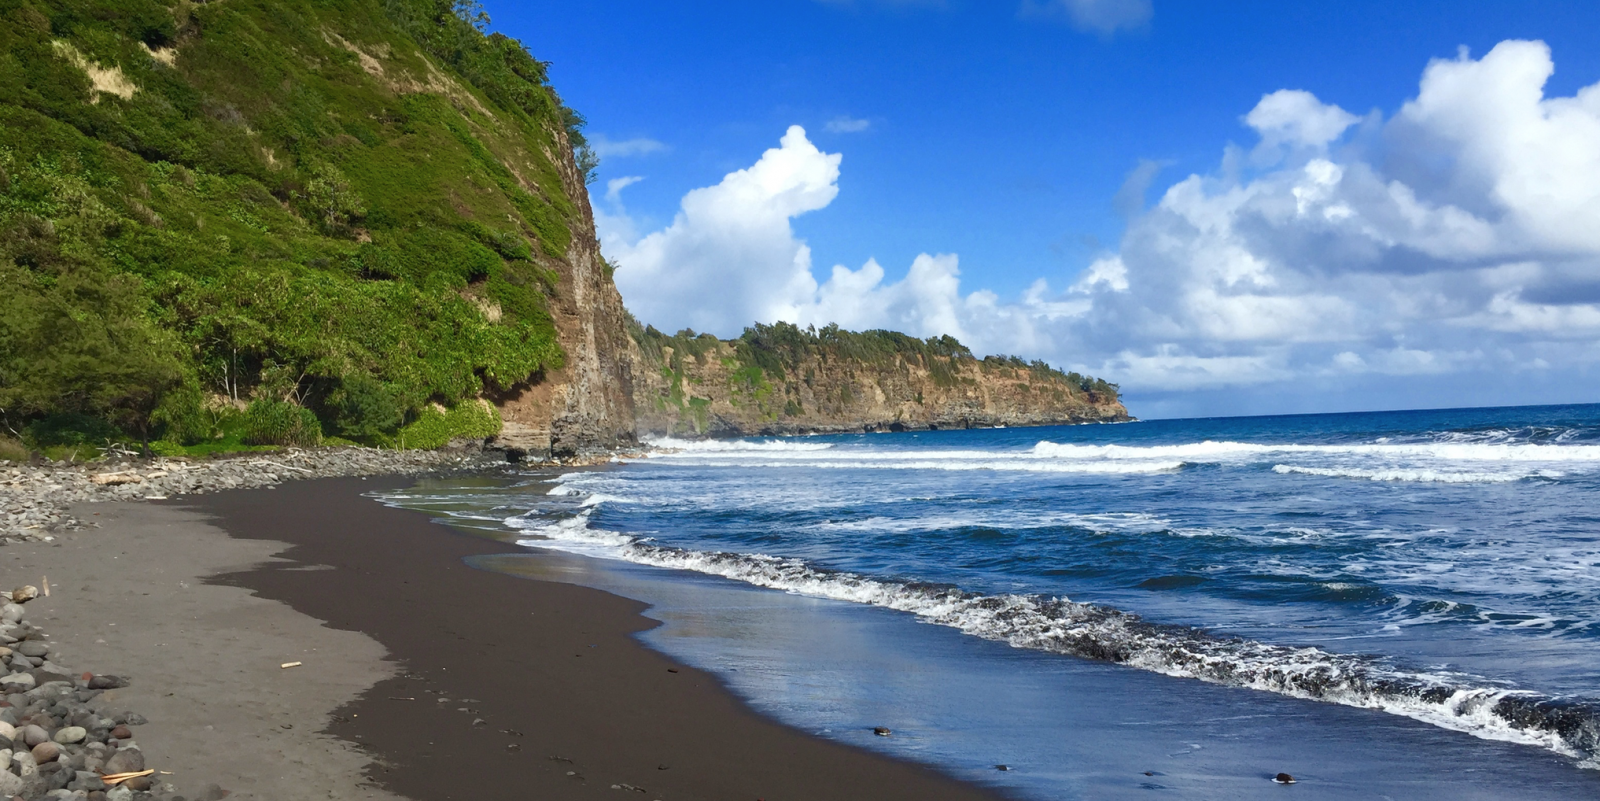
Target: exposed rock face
column 587, row 405
column 716, row 393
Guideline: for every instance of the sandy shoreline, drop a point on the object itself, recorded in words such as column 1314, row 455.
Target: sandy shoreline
column 550, row 695
column 130, row 598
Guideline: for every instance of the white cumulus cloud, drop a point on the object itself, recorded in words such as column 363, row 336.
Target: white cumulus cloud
column 1455, row 245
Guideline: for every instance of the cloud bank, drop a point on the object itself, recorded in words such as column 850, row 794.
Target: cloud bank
column 1456, row 241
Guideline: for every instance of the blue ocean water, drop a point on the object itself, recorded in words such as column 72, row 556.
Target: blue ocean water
column 1440, row 567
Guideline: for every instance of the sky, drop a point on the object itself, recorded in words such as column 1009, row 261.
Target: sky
column 1226, row 208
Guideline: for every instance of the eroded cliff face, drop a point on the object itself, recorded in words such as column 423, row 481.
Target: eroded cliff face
column 716, row 392
column 586, row 406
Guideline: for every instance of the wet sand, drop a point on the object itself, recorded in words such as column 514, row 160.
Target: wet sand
column 549, row 693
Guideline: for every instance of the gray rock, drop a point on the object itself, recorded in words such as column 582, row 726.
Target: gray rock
column 24, row 763
column 71, row 734
column 135, row 719
column 119, row 793
column 10, row 784
column 16, row 682
column 56, row 779
column 106, row 682
column 126, row 760
column 89, row 782
column 33, row 648
column 11, row 613
column 33, row 735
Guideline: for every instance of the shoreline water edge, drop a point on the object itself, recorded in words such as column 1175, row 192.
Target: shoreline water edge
column 427, row 678
column 456, row 666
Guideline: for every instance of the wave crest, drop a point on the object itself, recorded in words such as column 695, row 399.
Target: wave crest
column 1462, row 703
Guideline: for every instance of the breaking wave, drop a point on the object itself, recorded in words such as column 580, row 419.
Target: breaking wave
column 1570, row 726
column 1451, row 461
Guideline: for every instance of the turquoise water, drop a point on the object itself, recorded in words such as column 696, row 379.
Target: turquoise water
column 1434, row 569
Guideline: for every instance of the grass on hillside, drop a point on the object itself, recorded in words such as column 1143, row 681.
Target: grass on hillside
column 354, row 207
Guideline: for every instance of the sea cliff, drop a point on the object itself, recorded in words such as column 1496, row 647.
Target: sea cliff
column 782, row 380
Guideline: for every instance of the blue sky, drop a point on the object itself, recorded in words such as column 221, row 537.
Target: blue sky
column 992, row 144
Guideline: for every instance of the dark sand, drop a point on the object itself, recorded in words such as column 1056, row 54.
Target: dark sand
column 571, row 704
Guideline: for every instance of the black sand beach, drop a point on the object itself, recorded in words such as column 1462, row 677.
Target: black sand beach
column 549, row 694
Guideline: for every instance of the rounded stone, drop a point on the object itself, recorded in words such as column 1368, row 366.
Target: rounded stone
column 34, row 648
column 127, row 760
column 71, row 734
column 46, row 752
column 33, row 735
column 122, row 732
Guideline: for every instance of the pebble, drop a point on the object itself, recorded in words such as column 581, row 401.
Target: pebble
column 1283, row 778
column 52, row 744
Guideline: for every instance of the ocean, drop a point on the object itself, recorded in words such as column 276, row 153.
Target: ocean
column 1387, row 604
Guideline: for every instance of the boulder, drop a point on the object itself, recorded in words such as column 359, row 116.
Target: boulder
column 11, row 612
column 34, row 648
column 70, row 735
column 33, row 734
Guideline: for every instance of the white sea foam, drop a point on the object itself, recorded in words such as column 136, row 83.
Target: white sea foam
column 1439, row 461
column 1436, row 451
column 1453, row 701
column 1398, row 474
column 1009, row 520
column 927, row 461
column 735, row 445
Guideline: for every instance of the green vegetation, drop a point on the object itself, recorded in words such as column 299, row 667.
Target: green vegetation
column 434, row 428
column 341, row 213
column 767, row 363
column 774, row 353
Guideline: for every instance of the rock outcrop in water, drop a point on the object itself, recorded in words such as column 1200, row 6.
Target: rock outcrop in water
column 782, row 380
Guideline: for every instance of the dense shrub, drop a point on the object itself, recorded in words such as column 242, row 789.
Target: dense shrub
column 275, row 422
column 434, row 428
column 363, row 407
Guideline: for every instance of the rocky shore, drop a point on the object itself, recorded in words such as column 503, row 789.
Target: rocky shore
column 57, row 740
column 34, row 498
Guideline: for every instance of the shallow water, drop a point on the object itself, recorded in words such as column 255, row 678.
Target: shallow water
column 1442, row 567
